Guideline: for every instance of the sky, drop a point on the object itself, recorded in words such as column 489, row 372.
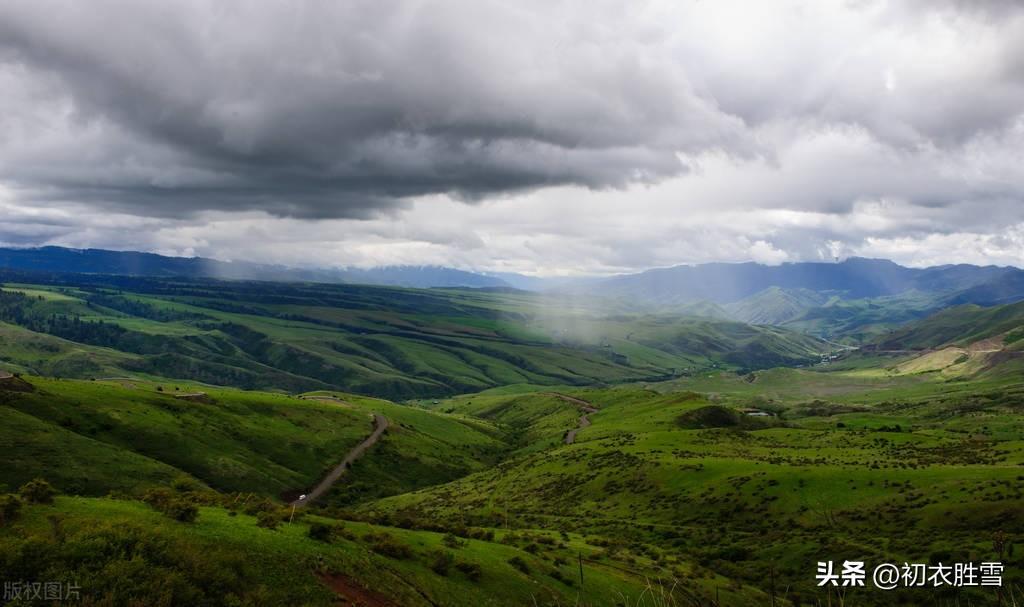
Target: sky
column 547, row 138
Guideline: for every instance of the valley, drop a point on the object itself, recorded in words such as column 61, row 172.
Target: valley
column 462, row 446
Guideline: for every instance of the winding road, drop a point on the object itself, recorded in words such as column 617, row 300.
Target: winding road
column 586, row 407
column 380, row 424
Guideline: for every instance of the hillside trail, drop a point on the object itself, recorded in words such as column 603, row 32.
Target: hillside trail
column 380, row 425
column 585, row 406
column 329, row 399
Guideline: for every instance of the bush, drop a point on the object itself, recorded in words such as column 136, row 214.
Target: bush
column 37, row 491
column 452, row 541
column 183, row 484
column 10, row 508
column 470, row 570
column 268, row 520
column 158, row 498
column 320, row 532
column 442, row 562
column 182, row 510
column 557, row 575
column 258, row 506
column 384, row 544
column 519, row 564
column 171, row 504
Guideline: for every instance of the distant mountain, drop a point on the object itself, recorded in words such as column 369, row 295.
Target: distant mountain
column 702, row 309
column 855, row 278
column 775, row 305
column 422, row 277
column 131, row 263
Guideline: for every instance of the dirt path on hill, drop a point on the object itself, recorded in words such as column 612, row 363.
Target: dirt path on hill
column 570, row 438
column 585, row 406
column 380, row 424
column 6, row 375
column 328, row 399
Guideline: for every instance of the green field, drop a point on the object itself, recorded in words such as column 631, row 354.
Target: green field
column 699, row 478
column 389, row 342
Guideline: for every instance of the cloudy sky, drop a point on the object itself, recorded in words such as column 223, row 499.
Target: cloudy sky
column 545, row 138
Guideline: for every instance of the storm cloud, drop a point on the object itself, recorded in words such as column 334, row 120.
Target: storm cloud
column 340, row 109
column 542, row 137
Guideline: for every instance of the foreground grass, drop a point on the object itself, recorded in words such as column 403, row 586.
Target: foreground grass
column 122, row 551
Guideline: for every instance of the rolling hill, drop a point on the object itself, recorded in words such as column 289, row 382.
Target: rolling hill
column 382, row 341
column 775, row 305
column 960, row 325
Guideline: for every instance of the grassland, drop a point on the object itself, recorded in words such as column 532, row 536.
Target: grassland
column 388, row 342
column 873, row 466
column 128, row 435
column 703, row 479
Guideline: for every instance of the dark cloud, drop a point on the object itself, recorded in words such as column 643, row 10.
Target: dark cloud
column 604, row 136
column 342, row 109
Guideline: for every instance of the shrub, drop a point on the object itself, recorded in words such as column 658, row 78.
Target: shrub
column 384, row 544
column 470, row 570
column 171, row 504
column 183, row 483
column 442, row 561
column 267, row 519
column 519, row 564
column 321, row 532
column 452, row 541
column 258, row 506
column 10, row 508
column 37, row 491
column 557, row 575
column 158, row 497
column 182, row 510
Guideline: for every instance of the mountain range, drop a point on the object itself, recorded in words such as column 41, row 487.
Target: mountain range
column 854, row 298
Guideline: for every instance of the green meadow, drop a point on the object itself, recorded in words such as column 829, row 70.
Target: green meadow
column 710, row 463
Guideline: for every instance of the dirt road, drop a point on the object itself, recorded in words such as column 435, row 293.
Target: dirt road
column 570, row 438
column 585, row 406
column 380, row 424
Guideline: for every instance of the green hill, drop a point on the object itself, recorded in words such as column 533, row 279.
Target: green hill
column 389, row 342
column 775, row 306
column 127, row 435
column 960, row 325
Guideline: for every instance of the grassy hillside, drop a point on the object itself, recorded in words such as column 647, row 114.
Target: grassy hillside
column 872, row 466
column 959, row 325
column 116, row 551
column 775, row 306
column 390, row 342
column 93, row 437
column 683, row 473
column 225, row 451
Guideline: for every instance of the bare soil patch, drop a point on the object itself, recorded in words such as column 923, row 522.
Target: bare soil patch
column 353, row 592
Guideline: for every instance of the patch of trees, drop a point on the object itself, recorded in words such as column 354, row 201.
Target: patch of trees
column 141, row 309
